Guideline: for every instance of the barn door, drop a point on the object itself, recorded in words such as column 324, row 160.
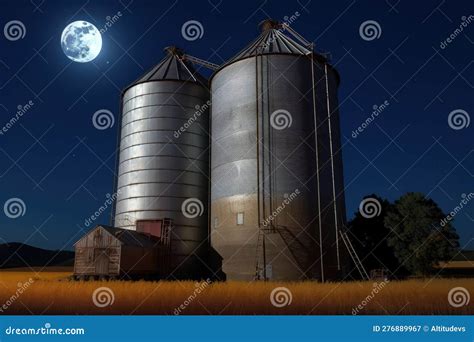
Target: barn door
column 101, row 261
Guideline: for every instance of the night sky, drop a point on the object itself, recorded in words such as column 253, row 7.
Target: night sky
column 62, row 167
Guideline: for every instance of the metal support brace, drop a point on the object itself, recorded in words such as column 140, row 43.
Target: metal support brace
column 200, row 61
column 298, row 36
column 355, row 258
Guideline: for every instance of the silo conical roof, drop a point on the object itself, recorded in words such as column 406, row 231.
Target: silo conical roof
column 173, row 67
column 272, row 40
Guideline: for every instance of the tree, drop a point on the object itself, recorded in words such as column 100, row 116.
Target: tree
column 369, row 237
column 418, row 239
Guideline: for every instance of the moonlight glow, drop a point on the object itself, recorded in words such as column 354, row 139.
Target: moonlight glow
column 81, row 41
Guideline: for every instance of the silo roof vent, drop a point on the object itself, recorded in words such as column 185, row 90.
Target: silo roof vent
column 270, row 24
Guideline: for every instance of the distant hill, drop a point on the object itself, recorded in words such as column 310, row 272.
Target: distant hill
column 17, row 254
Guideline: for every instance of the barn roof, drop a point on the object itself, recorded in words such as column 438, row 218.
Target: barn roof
column 129, row 237
column 132, row 237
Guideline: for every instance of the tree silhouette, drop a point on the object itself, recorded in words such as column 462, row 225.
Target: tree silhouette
column 418, row 239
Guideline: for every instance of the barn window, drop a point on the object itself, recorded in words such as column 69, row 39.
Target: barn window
column 240, row 219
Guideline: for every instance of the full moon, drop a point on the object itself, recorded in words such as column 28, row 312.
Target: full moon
column 81, row 41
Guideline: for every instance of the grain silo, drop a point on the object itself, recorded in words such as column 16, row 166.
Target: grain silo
column 163, row 166
column 277, row 197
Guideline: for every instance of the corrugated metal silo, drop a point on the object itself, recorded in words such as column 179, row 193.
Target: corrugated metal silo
column 164, row 157
column 277, row 198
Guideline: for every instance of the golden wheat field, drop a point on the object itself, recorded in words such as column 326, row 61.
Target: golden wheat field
column 53, row 293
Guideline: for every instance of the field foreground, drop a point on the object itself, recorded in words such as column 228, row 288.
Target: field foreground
column 52, row 293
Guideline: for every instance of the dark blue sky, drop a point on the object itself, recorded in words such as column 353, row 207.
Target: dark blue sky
column 62, row 167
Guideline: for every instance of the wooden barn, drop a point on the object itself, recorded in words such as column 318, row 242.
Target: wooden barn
column 109, row 252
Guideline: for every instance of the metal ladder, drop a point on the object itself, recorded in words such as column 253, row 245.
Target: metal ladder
column 354, row 256
column 165, row 248
column 167, row 224
column 260, row 251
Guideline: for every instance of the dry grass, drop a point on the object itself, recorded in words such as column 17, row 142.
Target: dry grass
column 52, row 293
column 457, row 264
